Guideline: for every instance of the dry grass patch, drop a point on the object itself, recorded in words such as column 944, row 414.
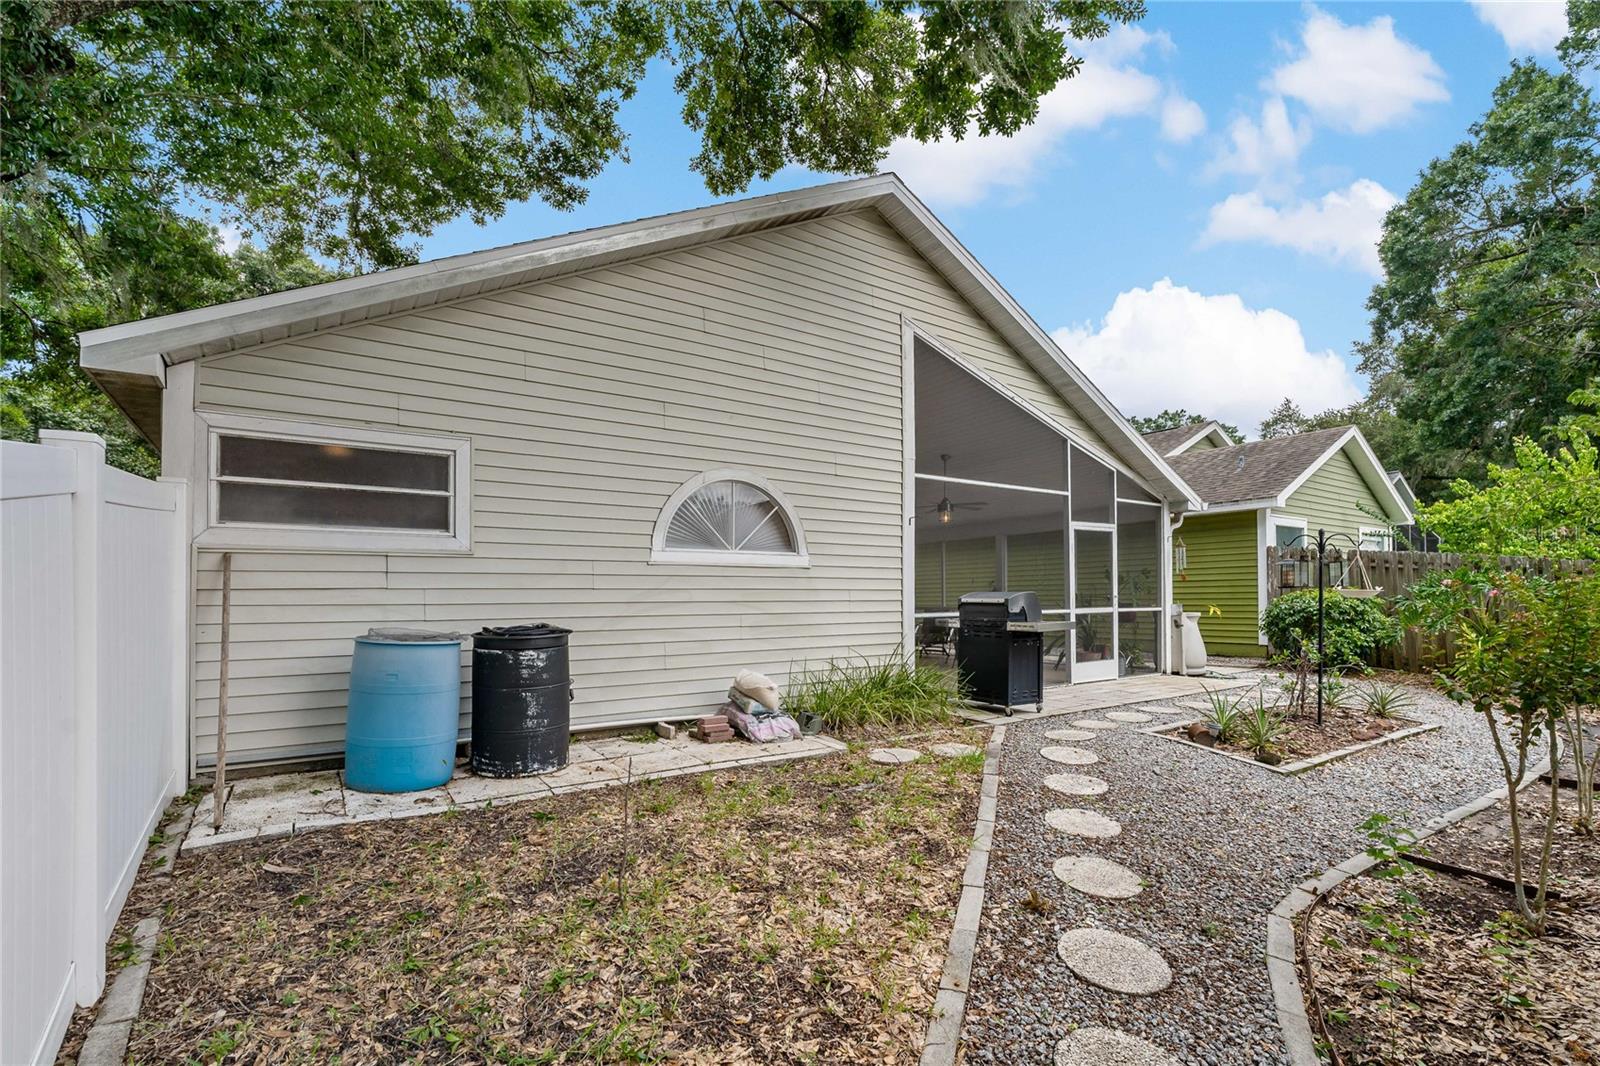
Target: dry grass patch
column 794, row 913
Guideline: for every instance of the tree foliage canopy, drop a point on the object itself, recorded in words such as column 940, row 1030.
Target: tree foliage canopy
column 1487, row 317
column 345, row 128
column 1546, row 504
column 1177, row 419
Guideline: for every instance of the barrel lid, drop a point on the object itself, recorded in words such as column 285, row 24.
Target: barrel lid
column 403, row 635
column 526, row 631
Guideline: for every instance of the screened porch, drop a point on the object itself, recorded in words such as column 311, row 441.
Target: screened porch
column 1003, row 501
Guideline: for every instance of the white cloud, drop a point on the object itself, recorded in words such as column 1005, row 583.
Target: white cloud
column 958, row 173
column 1169, row 346
column 1358, row 78
column 1182, row 120
column 1262, row 149
column 1525, row 25
column 1343, row 226
column 228, row 237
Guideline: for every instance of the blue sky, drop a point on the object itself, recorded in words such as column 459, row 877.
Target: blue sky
column 1194, row 215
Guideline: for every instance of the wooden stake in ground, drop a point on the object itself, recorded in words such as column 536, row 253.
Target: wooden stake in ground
column 219, row 790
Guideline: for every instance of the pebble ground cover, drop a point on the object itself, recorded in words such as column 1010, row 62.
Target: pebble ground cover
column 1215, row 844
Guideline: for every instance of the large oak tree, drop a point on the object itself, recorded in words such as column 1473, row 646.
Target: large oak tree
column 1486, row 320
column 347, row 129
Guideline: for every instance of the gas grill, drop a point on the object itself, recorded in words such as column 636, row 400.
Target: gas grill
column 1000, row 649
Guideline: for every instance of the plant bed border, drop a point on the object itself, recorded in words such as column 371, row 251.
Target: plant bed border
column 942, row 1042
column 1164, row 731
column 1284, row 959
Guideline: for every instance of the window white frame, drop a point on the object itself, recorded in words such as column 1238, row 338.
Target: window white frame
column 1267, row 534
column 1382, row 534
column 660, row 553
column 272, row 537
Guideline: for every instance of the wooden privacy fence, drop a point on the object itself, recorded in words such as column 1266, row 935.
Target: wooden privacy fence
column 93, row 730
column 1391, row 574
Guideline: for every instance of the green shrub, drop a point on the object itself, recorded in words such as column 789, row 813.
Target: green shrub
column 868, row 693
column 1352, row 628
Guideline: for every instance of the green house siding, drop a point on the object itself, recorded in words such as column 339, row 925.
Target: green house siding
column 1336, row 498
column 1222, row 574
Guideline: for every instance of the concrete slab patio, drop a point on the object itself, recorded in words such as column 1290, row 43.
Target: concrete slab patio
column 1145, row 688
column 281, row 805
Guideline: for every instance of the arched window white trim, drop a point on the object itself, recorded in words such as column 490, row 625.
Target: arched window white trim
column 729, row 524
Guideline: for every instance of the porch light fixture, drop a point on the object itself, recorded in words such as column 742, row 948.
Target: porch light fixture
column 945, row 507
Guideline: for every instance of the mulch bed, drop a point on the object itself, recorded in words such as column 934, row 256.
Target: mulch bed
column 1483, row 992
column 789, row 913
column 1341, row 728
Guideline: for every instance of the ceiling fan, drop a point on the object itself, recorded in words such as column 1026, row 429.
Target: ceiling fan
column 945, row 509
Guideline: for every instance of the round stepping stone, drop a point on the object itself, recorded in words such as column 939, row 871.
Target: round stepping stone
column 1070, row 756
column 1128, row 716
column 1075, row 784
column 1095, row 723
column 894, row 756
column 952, row 751
column 1114, row 962
column 1094, row 1046
column 1082, row 823
column 1071, row 734
column 1162, row 708
column 1094, row 876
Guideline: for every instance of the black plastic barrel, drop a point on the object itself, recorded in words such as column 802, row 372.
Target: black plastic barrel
column 521, row 700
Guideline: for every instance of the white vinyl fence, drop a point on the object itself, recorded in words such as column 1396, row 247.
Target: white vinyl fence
column 93, row 731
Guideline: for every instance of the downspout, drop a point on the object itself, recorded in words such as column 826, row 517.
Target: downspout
column 1176, row 523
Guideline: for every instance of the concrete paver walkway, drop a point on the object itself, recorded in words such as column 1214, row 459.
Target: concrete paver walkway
column 285, row 804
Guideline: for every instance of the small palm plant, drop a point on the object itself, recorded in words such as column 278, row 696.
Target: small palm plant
column 1226, row 713
column 1335, row 694
column 1262, row 729
column 1385, row 701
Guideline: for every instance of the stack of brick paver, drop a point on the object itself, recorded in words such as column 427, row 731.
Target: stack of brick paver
column 714, row 729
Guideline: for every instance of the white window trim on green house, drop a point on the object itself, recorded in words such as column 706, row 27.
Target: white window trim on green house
column 1381, row 538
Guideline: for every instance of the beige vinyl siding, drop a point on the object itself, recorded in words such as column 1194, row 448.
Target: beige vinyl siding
column 1222, row 574
column 1336, row 498
column 588, row 400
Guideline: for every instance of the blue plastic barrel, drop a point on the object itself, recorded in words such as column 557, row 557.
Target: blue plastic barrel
column 404, row 714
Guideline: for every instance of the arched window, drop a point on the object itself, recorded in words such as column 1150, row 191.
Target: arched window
column 729, row 518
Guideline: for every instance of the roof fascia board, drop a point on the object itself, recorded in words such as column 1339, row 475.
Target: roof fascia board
column 1372, row 471
column 1210, row 429
column 1242, row 505
column 138, row 342
column 145, row 342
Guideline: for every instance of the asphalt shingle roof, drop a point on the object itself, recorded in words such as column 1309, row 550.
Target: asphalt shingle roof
column 1164, row 440
column 1258, row 470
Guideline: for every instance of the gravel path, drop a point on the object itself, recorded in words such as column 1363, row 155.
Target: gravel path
column 1220, row 843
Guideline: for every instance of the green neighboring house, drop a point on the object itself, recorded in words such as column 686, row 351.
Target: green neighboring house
column 1267, row 492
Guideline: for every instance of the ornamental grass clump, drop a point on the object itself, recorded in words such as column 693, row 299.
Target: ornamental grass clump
column 1227, row 713
column 873, row 694
column 1261, row 730
column 1385, row 701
